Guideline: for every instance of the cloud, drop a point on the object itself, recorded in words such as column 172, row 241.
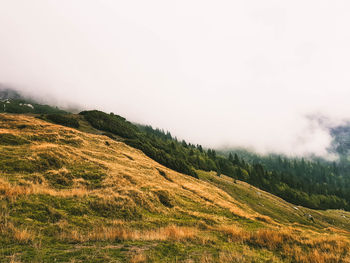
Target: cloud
column 240, row 73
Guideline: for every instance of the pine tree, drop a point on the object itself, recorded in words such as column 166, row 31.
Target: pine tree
column 230, row 158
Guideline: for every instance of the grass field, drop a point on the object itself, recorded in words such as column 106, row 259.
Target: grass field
column 71, row 196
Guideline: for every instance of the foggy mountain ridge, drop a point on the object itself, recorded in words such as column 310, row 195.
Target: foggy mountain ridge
column 179, row 131
column 341, row 140
column 8, row 93
column 340, row 133
column 247, row 78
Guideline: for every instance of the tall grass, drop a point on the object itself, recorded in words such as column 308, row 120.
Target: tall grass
column 299, row 247
column 213, row 218
column 172, row 232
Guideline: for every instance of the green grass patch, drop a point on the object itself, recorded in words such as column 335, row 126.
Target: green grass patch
column 11, row 139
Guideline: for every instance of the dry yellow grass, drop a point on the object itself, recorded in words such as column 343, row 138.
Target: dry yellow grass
column 13, row 259
column 138, row 258
column 129, row 170
column 133, row 181
column 302, row 247
column 295, row 246
column 314, row 255
column 245, row 255
column 272, row 239
column 234, row 233
column 12, row 190
column 268, row 238
column 20, row 235
column 172, row 232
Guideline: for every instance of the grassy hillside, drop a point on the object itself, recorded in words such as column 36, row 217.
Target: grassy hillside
column 317, row 184
column 70, row 196
column 314, row 183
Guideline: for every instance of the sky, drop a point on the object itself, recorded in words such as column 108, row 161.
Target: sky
column 248, row 73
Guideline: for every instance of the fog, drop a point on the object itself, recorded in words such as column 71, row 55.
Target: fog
column 249, row 73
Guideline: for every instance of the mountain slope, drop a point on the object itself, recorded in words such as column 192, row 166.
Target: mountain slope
column 314, row 182
column 70, row 196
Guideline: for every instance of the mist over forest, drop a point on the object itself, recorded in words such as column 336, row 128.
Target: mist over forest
column 232, row 74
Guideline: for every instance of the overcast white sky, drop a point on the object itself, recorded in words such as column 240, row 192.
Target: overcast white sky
column 223, row 72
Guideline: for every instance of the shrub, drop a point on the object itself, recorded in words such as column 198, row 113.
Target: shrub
column 63, row 119
column 164, row 198
column 110, row 123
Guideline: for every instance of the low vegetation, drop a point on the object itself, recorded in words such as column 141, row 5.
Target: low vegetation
column 157, row 148
column 20, row 105
column 68, row 196
column 314, row 183
column 63, row 119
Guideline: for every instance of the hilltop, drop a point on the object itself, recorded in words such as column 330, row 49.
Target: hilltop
column 72, row 196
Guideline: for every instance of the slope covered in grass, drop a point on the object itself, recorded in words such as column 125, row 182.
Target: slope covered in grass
column 70, row 196
column 315, row 183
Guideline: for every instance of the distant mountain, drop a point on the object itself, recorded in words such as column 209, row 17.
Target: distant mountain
column 12, row 101
column 8, row 93
column 341, row 140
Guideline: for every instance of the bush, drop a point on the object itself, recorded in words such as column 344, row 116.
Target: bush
column 164, row 198
column 110, row 123
column 63, row 119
